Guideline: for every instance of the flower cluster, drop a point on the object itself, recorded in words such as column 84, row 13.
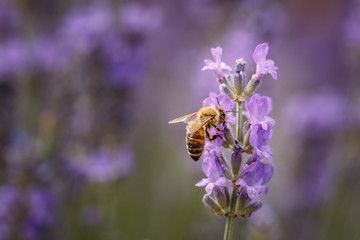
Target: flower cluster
column 117, row 36
column 247, row 181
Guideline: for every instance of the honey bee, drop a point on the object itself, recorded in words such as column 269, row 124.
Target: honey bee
column 198, row 124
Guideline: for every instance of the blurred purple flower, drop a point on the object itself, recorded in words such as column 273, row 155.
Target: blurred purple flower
column 140, row 19
column 8, row 18
column 8, row 197
column 219, row 67
column 257, row 108
column 263, row 65
column 124, row 64
column 14, row 57
column 82, row 29
column 40, row 210
column 255, row 176
column 211, row 169
column 49, row 54
column 321, row 112
column 104, row 165
column 40, row 206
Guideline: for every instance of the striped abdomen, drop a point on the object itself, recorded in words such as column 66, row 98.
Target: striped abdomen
column 195, row 143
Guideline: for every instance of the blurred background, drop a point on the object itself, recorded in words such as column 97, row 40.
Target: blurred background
column 87, row 89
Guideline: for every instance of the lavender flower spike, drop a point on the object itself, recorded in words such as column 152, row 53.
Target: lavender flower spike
column 263, row 65
column 219, row 67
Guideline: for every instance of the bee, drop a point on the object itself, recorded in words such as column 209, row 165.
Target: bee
column 198, row 124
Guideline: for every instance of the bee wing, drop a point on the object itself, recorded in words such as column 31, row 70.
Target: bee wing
column 197, row 124
column 186, row 118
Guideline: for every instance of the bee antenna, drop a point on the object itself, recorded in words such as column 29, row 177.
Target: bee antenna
column 218, row 101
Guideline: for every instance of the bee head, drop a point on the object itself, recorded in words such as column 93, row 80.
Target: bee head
column 222, row 114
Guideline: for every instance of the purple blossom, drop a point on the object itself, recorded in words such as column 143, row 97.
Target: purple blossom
column 124, row 64
column 40, row 208
column 48, row 54
column 263, row 65
column 9, row 18
column 211, row 169
column 324, row 112
column 14, row 57
column 261, row 154
column 257, row 108
column 104, row 165
column 82, row 29
column 140, row 19
column 259, row 137
column 254, row 178
column 219, row 67
column 8, row 198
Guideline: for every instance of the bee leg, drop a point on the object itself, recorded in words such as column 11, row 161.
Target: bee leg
column 216, row 127
column 213, row 137
column 207, row 134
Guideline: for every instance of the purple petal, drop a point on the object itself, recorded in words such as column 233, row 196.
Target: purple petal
column 203, row 182
column 260, row 52
column 217, row 54
column 268, row 173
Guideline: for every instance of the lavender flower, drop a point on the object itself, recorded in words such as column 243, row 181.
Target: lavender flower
column 219, row 67
column 258, row 140
column 257, row 108
column 263, row 65
column 37, row 204
column 324, row 112
column 81, row 30
column 252, row 137
column 255, row 176
column 140, row 19
column 212, row 169
column 104, row 165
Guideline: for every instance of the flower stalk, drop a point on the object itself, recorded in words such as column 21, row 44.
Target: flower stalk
column 231, row 215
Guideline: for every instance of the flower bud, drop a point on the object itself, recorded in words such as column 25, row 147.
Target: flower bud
column 236, row 159
column 250, row 209
column 239, row 76
column 225, row 168
column 227, row 173
column 211, row 203
column 225, row 89
column 228, row 138
column 245, row 132
column 242, row 200
column 222, row 197
column 251, row 87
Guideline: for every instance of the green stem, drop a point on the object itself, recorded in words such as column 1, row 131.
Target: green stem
column 239, row 120
column 231, row 215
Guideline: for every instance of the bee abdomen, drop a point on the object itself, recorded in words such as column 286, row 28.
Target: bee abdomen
column 195, row 145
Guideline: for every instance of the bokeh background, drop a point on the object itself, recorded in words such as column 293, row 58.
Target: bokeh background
column 87, row 89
